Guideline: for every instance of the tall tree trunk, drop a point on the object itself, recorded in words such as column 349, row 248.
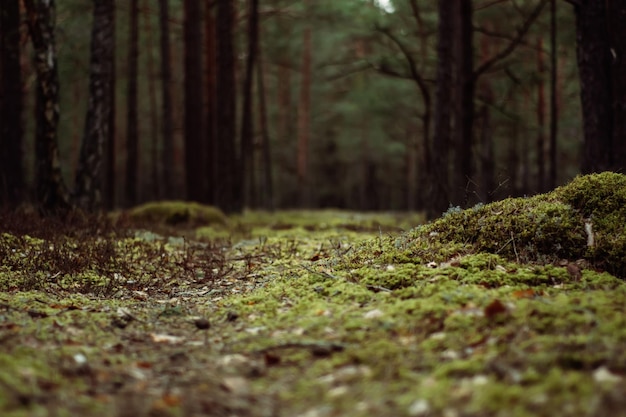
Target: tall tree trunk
column 247, row 119
column 617, row 45
column 268, row 187
column 464, row 109
column 594, row 62
column 154, row 179
column 97, row 126
column 194, row 133
column 440, row 198
column 167, row 154
column 304, row 114
column 541, row 119
column 11, row 105
column 132, row 131
column 210, row 103
column 228, row 191
column 52, row 194
column 554, row 113
column 110, row 151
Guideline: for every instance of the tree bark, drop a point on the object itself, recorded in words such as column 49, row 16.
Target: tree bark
column 132, row 130
column 210, row 99
column 194, row 128
column 595, row 84
column 617, row 45
column 464, row 109
column 228, row 190
column 11, row 105
column 97, row 126
column 110, row 158
column 540, row 112
column 52, row 194
column 154, row 191
column 167, row 154
column 440, row 198
column 554, row 111
column 268, row 187
column 304, row 114
column 247, row 119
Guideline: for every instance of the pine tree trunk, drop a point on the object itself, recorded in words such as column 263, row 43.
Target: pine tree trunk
column 268, row 187
column 595, row 84
column 194, row 133
column 247, row 119
column 210, row 103
column 304, row 115
column 11, row 105
column 541, row 119
column 554, row 114
column 167, row 153
column 110, row 151
column 440, row 198
column 132, row 129
column 97, row 126
column 464, row 110
column 52, row 194
column 155, row 189
column 228, row 190
column 617, row 46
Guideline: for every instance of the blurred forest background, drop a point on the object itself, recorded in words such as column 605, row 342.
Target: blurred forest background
column 356, row 104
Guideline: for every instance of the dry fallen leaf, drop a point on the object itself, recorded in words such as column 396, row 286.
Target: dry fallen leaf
column 166, row 338
column 495, row 308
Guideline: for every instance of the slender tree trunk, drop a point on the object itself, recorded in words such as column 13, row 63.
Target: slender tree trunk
column 268, row 187
column 97, row 126
column 443, row 95
column 595, row 84
column 228, row 191
column 488, row 160
column 554, row 114
column 167, row 153
column 541, row 119
column 304, row 114
column 617, row 45
column 52, row 194
column 110, row 166
column 156, row 188
column 464, row 109
column 247, row 119
column 210, row 103
column 132, row 131
column 194, row 134
column 11, row 105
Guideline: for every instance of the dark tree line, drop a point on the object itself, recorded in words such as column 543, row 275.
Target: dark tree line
column 226, row 143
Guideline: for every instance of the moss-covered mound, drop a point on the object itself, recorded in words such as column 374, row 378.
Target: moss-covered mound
column 177, row 212
column 585, row 219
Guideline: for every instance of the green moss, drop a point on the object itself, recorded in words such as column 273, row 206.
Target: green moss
column 177, row 212
column 409, row 317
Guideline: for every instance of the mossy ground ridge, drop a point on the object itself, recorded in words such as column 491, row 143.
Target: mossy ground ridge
column 500, row 310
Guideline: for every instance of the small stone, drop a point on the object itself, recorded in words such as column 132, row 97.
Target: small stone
column 419, row 408
column 202, row 324
column 232, row 316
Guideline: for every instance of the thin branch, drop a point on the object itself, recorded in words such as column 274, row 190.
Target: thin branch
column 366, row 66
column 416, row 14
column 488, row 5
column 505, row 36
column 521, row 32
column 421, row 83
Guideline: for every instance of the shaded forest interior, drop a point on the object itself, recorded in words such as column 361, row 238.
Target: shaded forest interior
column 356, row 104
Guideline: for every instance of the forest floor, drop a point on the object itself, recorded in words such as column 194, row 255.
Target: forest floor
column 500, row 310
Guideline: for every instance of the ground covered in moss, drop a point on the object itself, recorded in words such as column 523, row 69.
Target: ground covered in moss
column 516, row 308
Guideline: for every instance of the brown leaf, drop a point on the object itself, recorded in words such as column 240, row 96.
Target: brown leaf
column 495, row 308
